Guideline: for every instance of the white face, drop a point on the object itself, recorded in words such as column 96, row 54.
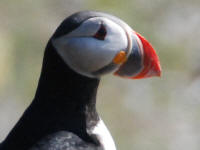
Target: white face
column 86, row 53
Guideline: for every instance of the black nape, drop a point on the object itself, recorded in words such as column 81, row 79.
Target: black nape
column 64, row 100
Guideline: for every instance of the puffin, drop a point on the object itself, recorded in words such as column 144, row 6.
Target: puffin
column 63, row 114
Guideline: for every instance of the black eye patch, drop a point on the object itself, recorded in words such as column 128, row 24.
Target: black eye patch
column 101, row 33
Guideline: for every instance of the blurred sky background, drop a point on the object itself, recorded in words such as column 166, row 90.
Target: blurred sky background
column 158, row 113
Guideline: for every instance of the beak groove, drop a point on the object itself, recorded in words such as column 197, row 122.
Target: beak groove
column 149, row 61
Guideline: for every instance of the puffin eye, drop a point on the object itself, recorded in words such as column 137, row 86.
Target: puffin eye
column 101, row 33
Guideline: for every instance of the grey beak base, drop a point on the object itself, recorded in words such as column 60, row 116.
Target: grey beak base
column 134, row 64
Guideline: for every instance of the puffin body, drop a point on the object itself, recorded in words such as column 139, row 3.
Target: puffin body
column 63, row 115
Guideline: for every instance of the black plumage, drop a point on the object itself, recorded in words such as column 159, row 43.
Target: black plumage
column 63, row 140
column 64, row 104
column 62, row 115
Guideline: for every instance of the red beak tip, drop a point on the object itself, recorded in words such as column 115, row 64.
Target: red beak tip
column 152, row 65
column 160, row 73
column 157, row 70
column 157, row 74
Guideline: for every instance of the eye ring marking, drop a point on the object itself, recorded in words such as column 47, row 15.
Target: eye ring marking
column 101, row 33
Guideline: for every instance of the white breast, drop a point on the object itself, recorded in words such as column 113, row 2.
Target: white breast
column 104, row 136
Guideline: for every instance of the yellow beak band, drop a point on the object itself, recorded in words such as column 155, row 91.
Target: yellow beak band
column 120, row 58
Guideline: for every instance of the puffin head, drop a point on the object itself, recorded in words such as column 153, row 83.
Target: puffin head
column 94, row 43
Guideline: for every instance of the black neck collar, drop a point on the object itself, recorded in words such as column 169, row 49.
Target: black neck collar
column 64, row 100
column 59, row 83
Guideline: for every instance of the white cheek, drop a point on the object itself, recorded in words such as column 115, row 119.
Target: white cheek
column 88, row 28
column 86, row 54
column 115, row 35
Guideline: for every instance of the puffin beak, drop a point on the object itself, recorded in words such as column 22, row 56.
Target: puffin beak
column 143, row 61
column 151, row 61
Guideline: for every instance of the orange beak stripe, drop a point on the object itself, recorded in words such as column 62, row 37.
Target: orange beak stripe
column 120, row 58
